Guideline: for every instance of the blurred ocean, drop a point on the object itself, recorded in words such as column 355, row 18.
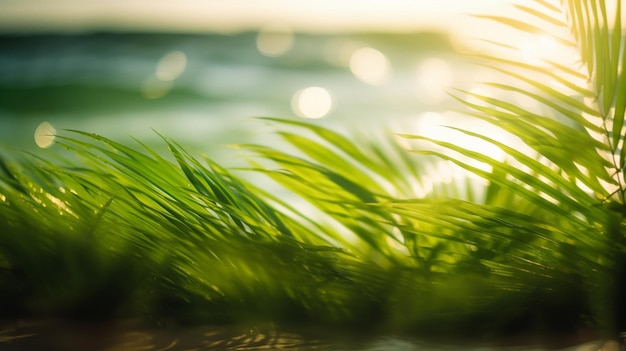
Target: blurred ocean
column 203, row 90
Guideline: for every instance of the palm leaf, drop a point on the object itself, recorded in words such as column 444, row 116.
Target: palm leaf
column 217, row 248
column 577, row 139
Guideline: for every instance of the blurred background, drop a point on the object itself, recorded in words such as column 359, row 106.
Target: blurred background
column 199, row 70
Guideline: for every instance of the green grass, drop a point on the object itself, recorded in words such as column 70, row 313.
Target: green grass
column 118, row 231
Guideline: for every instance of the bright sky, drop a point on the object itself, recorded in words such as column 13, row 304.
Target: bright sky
column 233, row 15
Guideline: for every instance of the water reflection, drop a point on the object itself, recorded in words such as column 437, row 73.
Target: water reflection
column 118, row 337
column 108, row 83
column 312, row 102
column 338, row 51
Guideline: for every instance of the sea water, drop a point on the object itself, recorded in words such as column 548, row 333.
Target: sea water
column 205, row 89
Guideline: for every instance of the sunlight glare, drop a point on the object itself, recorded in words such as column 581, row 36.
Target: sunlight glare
column 595, row 120
column 312, row 102
column 527, row 102
column 430, row 124
column 45, row 135
column 60, row 204
column 396, row 241
column 370, row 65
column 434, row 76
column 482, row 146
column 275, row 40
column 535, row 51
column 433, row 125
column 171, row 66
column 424, row 187
column 581, row 184
column 476, row 92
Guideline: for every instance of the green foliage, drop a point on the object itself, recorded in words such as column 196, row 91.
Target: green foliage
column 116, row 231
column 568, row 174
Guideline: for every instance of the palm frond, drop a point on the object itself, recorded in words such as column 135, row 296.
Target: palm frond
column 200, row 243
column 571, row 160
column 151, row 232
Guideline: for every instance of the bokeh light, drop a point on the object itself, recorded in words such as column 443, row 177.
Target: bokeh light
column 171, row 66
column 155, row 88
column 45, row 135
column 434, row 76
column 274, row 40
column 370, row 65
column 312, row 102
